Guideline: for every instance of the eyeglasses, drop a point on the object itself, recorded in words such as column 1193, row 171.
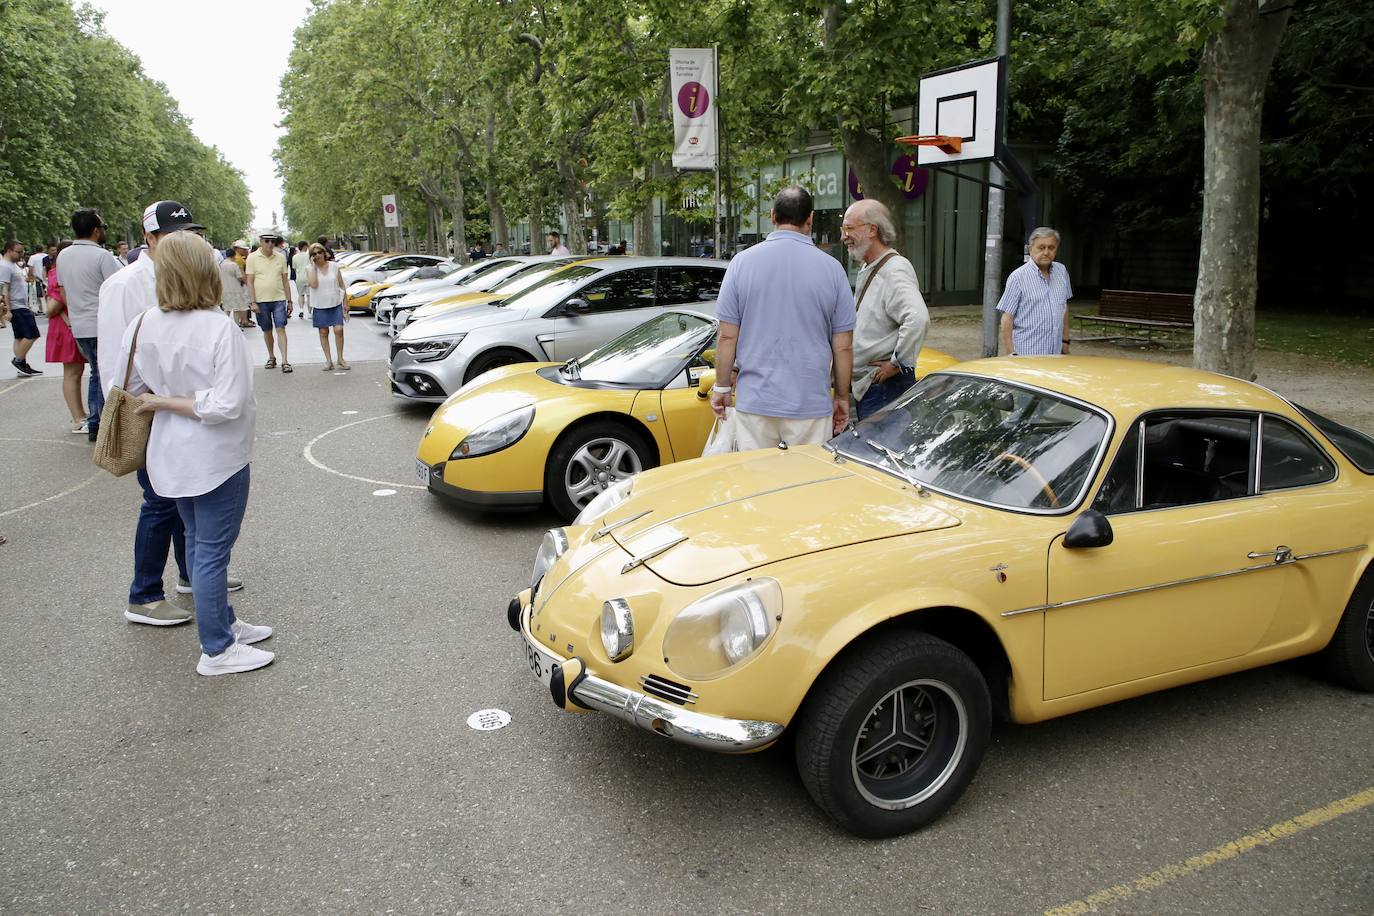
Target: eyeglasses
column 850, row 230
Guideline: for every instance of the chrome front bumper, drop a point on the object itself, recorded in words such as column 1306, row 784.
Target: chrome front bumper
column 713, row 733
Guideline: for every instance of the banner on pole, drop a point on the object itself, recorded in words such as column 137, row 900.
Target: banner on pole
column 390, row 217
column 692, row 72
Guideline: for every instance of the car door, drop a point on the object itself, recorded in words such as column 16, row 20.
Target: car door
column 685, row 284
column 1189, row 578
column 687, row 416
column 616, row 302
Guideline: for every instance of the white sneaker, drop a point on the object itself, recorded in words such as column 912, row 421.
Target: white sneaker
column 247, row 634
column 233, row 660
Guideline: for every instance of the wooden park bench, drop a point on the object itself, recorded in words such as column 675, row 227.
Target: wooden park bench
column 1138, row 315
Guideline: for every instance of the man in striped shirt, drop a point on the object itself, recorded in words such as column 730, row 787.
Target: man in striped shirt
column 1035, row 304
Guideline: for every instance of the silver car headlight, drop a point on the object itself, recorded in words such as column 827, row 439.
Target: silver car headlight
column 494, row 435
column 428, row 351
column 554, row 545
column 714, row 634
column 617, row 629
column 604, row 502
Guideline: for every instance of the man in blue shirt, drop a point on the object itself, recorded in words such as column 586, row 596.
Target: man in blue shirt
column 1035, row 304
column 787, row 324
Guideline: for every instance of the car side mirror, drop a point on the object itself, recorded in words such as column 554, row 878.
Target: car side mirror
column 705, row 383
column 1091, row 529
column 577, row 305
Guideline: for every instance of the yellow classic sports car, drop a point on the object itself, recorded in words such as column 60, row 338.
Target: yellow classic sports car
column 521, row 434
column 1022, row 537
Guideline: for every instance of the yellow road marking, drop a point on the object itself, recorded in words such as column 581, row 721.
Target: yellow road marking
column 1223, row 853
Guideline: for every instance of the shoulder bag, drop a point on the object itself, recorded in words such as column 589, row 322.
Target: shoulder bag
column 121, row 446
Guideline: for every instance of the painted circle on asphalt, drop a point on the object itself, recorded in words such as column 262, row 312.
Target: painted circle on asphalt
column 486, row 720
column 386, row 492
column 309, row 453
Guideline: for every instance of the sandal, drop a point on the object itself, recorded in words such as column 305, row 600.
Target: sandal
column 271, row 363
column 327, row 367
column 286, row 367
column 344, row 366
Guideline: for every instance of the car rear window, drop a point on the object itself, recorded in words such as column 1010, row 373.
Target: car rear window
column 1354, row 445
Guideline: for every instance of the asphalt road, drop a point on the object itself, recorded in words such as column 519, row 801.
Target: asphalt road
column 344, row 779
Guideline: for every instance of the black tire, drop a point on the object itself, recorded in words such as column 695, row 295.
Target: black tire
column 1349, row 658
column 901, row 787
column 585, row 454
column 494, row 359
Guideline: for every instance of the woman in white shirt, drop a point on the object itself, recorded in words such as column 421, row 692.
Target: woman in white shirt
column 195, row 367
column 327, row 300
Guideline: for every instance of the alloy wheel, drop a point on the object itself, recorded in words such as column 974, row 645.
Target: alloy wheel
column 910, row 744
column 596, row 465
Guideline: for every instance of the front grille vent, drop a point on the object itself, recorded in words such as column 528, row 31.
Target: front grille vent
column 668, row 690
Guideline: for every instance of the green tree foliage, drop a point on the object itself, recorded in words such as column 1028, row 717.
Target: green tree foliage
column 84, row 127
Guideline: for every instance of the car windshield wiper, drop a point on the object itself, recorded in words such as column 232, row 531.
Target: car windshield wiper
column 897, row 463
column 571, row 369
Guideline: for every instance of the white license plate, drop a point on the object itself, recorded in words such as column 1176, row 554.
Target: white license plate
column 422, row 472
column 541, row 666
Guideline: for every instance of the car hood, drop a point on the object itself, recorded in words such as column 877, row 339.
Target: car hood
column 419, row 286
column 458, row 299
column 725, row 516
column 458, row 322
column 489, row 396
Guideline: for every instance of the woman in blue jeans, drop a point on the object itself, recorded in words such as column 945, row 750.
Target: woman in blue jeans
column 194, row 366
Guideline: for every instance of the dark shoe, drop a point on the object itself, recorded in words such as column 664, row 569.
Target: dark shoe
column 22, row 367
column 31, row 369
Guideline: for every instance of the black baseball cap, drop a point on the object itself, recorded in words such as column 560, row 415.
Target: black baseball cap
column 168, row 216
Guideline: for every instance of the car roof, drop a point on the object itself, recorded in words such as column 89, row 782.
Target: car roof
column 632, row 261
column 1129, row 387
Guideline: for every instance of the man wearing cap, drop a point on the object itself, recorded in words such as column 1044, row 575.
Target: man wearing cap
column 123, row 297
column 269, row 295
column 83, row 267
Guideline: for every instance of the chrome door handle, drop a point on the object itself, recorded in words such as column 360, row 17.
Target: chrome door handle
column 1279, row 554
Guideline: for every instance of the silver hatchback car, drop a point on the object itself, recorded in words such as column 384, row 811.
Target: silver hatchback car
column 566, row 315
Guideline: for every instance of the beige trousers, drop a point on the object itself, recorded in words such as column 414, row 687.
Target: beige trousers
column 754, row 430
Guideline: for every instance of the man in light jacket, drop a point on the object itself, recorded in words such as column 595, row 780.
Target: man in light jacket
column 892, row 317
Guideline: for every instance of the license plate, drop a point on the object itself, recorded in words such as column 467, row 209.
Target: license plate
column 540, row 665
column 422, row 472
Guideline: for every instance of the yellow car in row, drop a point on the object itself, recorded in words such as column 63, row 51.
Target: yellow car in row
column 1023, row 537
column 534, row 432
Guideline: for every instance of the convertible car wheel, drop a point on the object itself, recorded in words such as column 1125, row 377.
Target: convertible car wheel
column 892, row 735
column 590, row 459
column 495, row 359
column 1349, row 659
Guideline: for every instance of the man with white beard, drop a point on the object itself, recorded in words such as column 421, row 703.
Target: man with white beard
column 892, row 317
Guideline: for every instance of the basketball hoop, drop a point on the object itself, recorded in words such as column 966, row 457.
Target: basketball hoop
column 942, row 142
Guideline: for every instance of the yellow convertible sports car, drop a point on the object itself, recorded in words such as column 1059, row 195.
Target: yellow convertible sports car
column 1022, row 537
column 519, row 434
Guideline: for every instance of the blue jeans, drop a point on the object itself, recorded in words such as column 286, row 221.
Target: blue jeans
column 881, row 394
column 212, row 523
column 159, row 526
column 95, row 394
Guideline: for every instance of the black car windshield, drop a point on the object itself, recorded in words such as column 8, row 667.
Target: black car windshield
column 1354, row 444
column 646, row 356
column 551, row 288
column 985, row 440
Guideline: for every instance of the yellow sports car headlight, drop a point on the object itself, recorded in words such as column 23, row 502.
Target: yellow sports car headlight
column 713, row 634
column 554, row 545
column 503, row 432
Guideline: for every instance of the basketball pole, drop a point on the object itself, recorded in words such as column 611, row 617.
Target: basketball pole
column 992, row 263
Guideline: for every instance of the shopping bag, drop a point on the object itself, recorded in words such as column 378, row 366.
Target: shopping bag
column 722, row 438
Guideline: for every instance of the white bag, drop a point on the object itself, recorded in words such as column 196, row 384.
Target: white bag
column 722, row 438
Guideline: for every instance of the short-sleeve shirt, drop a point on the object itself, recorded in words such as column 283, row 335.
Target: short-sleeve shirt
column 266, row 274
column 83, row 268
column 788, row 298
column 300, row 263
column 19, row 284
column 1036, row 307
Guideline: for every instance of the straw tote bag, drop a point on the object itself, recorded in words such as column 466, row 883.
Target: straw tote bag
column 122, row 443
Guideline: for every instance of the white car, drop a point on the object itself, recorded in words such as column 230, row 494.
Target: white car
column 510, row 277
column 381, row 268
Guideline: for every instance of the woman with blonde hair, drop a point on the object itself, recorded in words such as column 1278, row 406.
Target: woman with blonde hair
column 326, row 289
column 195, row 374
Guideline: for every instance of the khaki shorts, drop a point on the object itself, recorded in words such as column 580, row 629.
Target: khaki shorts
column 754, row 430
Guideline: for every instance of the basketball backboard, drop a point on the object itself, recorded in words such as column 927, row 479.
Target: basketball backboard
column 963, row 102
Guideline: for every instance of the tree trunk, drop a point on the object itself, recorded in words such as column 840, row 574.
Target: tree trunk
column 868, row 155
column 1235, row 69
column 644, row 230
column 573, row 209
column 500, row 235
column 460, row 220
